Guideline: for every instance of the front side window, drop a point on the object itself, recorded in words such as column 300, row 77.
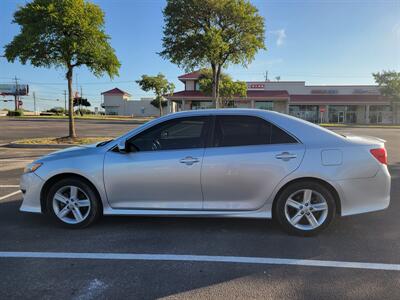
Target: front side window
column 247, row 130
column 182, row 133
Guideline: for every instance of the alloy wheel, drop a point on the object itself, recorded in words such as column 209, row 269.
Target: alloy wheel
column 71, row 204
column 306, row 209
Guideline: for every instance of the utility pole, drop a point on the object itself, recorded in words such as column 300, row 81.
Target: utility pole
column 34, row 102
column 80, row 102
column 16, row 98
column 266, row 75
column 65, row 102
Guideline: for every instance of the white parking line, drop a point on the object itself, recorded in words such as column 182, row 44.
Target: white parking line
column 205, row 258
column 9, row 185
column 9, row 195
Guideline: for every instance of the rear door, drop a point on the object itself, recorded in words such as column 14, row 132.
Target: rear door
column 248, row 157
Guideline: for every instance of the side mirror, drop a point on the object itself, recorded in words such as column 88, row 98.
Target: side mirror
column 122, row 146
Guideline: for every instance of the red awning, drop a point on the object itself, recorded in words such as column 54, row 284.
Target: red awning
column 192, row 95
column 327, row 99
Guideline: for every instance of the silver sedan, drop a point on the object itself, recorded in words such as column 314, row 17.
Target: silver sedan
column 214, row 163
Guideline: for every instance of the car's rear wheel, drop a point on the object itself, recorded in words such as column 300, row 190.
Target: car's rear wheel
column 73, row 203
column 305, row 208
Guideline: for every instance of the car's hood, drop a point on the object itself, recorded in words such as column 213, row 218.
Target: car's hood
column 70, row 152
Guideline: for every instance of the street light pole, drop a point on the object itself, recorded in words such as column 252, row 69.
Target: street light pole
column 34, row 102
column 16, row 98
column 65, row 102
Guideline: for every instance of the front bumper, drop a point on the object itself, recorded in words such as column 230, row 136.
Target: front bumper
column 32, row 185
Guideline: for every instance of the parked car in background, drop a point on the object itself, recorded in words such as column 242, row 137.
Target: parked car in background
column 243, row 163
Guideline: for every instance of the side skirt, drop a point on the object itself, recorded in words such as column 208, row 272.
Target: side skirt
column 257, row 214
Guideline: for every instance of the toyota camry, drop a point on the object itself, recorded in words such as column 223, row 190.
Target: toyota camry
column 244, row 163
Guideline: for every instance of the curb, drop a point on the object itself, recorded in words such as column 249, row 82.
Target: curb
column 38, row 146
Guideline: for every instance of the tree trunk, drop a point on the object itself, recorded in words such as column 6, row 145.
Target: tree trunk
column 15, row 102
column 72, row 133
column 217, row 87
column 160, row 106
column 214, row 86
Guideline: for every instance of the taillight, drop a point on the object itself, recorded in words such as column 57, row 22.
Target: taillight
column 380, row 154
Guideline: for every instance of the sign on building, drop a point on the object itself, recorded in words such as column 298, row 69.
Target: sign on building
column 324, row 92
column 257, row 86
column 11, row 89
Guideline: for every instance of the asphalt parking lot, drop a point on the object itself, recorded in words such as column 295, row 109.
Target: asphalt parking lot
column 173, row 244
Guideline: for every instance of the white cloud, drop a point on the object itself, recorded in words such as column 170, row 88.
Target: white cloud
column 280, row 36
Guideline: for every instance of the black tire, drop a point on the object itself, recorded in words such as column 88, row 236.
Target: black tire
column 297, row 187
column 93, row 212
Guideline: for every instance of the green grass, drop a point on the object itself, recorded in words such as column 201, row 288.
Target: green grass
column 360, row 125
column 91, row 117
column 63, row 140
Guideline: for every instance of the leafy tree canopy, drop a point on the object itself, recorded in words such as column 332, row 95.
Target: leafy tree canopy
column 79, row 101
column 229, row 89
column 212, row 33
column 159, row 85
column 66, row 34
column 389, row 84
column 63, row 33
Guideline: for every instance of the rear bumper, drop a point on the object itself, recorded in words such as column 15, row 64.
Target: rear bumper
column 32, row 185
column 365, row 194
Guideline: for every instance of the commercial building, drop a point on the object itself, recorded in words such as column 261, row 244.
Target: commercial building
column 118, row 102
column 362, row 104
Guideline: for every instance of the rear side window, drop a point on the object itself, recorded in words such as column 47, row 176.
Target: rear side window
column 278, row 136
column 247, row 130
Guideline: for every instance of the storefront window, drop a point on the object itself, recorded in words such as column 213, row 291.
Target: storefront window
column 380, row 114
column 343, row 114
column 201, row 104
column 267, row 105
column 305, row 112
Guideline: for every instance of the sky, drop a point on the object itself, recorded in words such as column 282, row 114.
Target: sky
column 320, row 42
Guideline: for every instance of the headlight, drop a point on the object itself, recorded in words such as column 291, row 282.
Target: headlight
column 32, row 167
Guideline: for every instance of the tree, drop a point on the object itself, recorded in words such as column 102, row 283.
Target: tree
column 228, row 89
column 212, row 33
column 159, row 85
column 79, row 101
column 64, row 34
column 389, row 85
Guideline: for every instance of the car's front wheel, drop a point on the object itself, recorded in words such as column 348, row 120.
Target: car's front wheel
column 305, row 208
column 73, row 203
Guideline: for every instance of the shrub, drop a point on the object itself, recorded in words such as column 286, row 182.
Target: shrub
column 15, row 113
column 59, row 111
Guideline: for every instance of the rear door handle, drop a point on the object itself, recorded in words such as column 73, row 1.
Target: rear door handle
column 285, row 156
column 188, row 160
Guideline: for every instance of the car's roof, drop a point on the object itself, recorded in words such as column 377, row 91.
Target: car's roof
column 243, row 111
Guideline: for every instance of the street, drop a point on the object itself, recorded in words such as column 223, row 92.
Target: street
column 368, row 238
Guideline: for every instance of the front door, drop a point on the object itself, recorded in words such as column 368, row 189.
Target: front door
column 162, row 168
column 248, row 159
column 341, row 117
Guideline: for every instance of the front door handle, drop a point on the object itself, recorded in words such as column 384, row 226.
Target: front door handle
column 285, row 156
column 189, row 160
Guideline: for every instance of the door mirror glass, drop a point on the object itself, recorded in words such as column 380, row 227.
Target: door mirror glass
column 122, row 146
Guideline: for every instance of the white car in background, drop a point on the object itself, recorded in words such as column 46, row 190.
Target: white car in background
column 243, row 163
